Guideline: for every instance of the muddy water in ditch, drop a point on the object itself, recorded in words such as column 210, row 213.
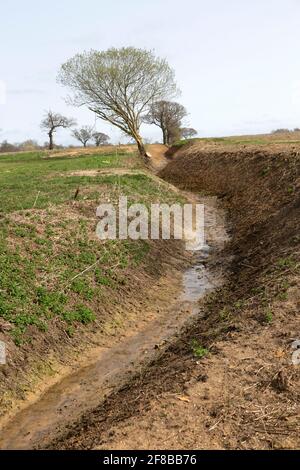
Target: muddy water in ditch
column 84, row 389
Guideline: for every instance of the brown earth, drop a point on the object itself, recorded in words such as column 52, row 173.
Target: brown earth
column 157, row 156
column 114, row 171
column 245, row 393
column 102, row 150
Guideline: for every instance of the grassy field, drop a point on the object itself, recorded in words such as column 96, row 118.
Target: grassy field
column 47, row 238
column 24, row 175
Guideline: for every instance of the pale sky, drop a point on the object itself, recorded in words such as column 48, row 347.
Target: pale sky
column 237, row 62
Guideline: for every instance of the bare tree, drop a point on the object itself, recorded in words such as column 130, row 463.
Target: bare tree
column 84, row 134
column 52, row 121
column 100, row 138
column 174, row 134
column 168, row 116
column 119, row 85
column 188, row 132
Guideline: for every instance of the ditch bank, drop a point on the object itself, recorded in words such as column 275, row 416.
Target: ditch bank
column 55, row 251
column 160, row 297
column 230, row 380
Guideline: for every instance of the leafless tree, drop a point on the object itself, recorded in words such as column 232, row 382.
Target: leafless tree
column 119, row 85
column 100, row 138
column 188, row 132
column 174, row 134
column 168, row 116
column 53, row 121
column 84, row 134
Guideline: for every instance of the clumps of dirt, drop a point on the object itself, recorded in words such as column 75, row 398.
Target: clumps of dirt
column 93, row 173
column 245, row 393
column 157, row 153
column 260, row 189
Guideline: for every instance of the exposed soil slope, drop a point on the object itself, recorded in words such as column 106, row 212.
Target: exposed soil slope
column 245, row 393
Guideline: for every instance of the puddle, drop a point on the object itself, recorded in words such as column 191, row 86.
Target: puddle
column 196, row 280
column 86, row 388
column 199, row 279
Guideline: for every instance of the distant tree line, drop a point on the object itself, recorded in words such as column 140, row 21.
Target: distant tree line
column 26, row 146
column 51, row 123
column 284, row 131
column 32, row 145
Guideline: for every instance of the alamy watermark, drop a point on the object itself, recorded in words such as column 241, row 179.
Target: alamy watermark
column 2, row 353
column 160, row 221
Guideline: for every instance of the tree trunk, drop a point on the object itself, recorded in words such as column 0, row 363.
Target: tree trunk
column 84, row 144
column 142, row 150
column 165, row 142
column 141, row 147
column 167, row 137
column 51, row 145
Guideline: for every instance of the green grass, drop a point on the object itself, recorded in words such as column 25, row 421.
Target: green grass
column 46, row 241
column 198, row 350
column 23, row 177
column 268, row 316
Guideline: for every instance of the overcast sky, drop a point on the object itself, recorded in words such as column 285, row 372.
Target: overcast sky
column 237, row 62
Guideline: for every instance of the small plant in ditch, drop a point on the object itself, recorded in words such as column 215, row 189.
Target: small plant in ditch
column 268, row 316
column 198, row 350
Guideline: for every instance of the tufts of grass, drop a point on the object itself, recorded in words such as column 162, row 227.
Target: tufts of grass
column 80, row 314
column 198, row 350
column 287, row 262
column 268, row 316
